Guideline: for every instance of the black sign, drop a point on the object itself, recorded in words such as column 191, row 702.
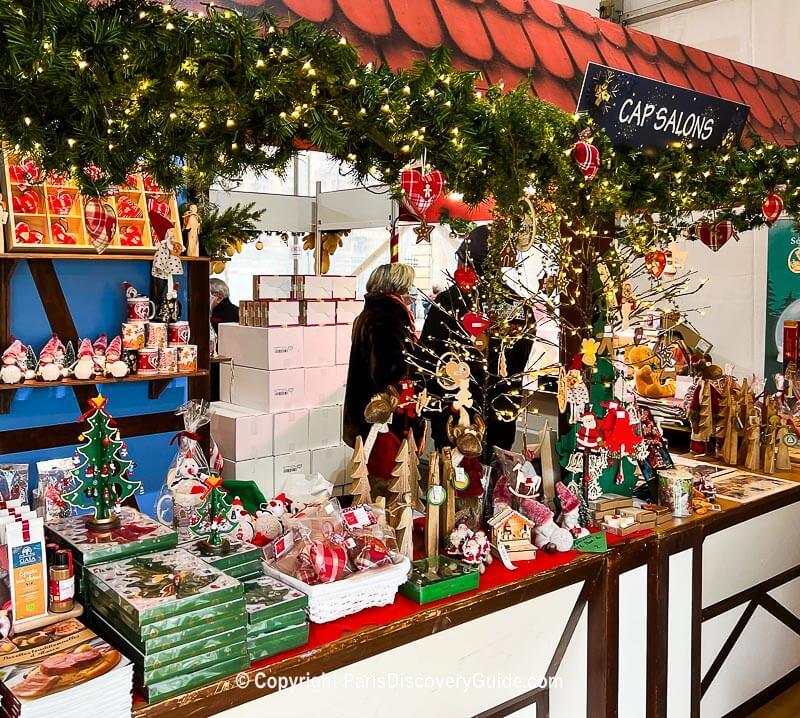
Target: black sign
column 635, row 111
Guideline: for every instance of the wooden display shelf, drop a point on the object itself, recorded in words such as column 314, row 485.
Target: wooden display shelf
column 139, row 256
column 35, row 384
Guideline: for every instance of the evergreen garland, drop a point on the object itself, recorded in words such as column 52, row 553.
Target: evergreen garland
column 130, row 84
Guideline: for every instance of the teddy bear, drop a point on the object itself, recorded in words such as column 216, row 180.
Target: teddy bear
column 647, row 373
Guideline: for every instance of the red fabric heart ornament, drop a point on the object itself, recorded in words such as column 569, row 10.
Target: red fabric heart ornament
column 131, row 237
column 131, row 182
column 60, row 203
column 92, row 172
column 26, row 172
column 474, row 323
column 329, row 560
column 162, row 208
column 703, row 232
column 724, row 231
column 128, row 209
column 655, row 262
column 25, row 235
column 421, row 191
column 150, row 185
column 101, row 222
column 61, row 235
column 587, row 157
column 772, row 207
column 715, row 237
column 26, row 203
column 465, row 278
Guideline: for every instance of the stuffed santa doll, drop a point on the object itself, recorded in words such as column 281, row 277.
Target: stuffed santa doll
column 570, row 511
column 51, row 360
column 588, row 436
column 548, row 535
column 100, row 346
column 12, row 371
column 84, row 367
column 113, row 364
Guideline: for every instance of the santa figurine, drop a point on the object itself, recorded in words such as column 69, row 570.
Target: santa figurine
column 12, row 371
column 51, row 360
column 588, row 436
column 570, row 512
column 113, row 364
column 100, row 345
column 279, row 506
column 84, row 367
column 548, row 535
column 616, row 429
column 458, row 539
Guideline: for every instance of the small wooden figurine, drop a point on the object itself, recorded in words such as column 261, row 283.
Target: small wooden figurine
column 730, row 443
column 783, row 461
column 432, row 511
column 448, row 521
column 752, row 441
column 360, row 488
column 404, row 526
column 769, row 448
column 191, row 223
column 513, row 532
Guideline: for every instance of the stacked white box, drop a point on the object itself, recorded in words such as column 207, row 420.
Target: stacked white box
column 290, row 381
column 241, row 433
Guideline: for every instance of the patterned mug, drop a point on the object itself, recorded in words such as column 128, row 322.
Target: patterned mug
column 156, row 335
column 187, row 357
column 131, row 358
column 148, row 361
column 133, row 334
column 178, row 334
column 140, row 309
column 168, row 360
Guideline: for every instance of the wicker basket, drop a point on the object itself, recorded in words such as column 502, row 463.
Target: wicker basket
column 364, row 589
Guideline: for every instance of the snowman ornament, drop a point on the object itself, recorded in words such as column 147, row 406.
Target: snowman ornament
column 242, row 521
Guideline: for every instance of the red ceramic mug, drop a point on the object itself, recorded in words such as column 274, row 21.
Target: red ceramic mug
column 178, row 334
column 148, row 361
column 140, row 309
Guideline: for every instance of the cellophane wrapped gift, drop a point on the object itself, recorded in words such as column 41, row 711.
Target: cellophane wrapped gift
column 181, row 493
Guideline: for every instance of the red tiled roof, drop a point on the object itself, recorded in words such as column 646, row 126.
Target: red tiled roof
column 509, row 39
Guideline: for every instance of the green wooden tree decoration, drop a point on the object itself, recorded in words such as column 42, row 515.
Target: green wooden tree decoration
column 101, row 468
column 212, row 519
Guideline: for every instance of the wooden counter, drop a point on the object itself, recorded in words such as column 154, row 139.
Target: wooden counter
column 656, row 627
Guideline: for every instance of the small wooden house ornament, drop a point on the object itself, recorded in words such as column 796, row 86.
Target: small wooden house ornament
column 513, row 532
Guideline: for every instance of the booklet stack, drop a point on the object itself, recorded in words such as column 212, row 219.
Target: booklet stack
column 181, row 620
column 276, row 615
column 242, row 560
column 61, row 670
column 136, row 534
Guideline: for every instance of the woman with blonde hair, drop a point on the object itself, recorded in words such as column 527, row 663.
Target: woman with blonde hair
column 383, row 337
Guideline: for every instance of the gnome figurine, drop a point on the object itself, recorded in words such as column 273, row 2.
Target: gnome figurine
column 51, row 360
column 570, row 510
column 12, row 371
column 84, row 368
column 548, row 535
column 99, row 347
column 114, row 365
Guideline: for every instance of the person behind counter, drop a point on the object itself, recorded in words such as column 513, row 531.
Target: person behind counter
column 222, row 310
column 383, row 337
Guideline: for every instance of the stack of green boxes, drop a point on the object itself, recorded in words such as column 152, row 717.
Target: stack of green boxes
column 181, row 621
column 242, row 560
column 136, row 534
column 276, row 615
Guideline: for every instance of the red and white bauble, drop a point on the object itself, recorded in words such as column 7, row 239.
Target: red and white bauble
column 772, row 207
column 587, row 157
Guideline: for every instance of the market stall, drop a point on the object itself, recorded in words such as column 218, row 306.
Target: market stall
column 447, row 553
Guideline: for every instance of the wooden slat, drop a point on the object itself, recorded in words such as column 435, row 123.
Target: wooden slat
column 6, row 272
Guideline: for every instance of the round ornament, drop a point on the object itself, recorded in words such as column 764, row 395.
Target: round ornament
column 655, row 262
column 587, row 157
column 461, row 481
column 790, row 440
column 437, row 495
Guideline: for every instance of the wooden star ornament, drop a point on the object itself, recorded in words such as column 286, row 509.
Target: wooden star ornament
column 423, row 232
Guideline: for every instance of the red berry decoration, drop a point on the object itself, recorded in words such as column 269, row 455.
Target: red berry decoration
column 655, row 262
column 587, row 157
column 466, row 278
column 772, row 207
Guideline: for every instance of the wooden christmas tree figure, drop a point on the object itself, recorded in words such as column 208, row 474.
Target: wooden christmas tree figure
column 211, row 520
column 413, row 464
column 101, row 469
column 404, row 525
column 360, row 488
column 402, row 478
column 730, row 443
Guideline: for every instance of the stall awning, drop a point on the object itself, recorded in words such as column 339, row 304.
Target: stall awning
column 509, row 39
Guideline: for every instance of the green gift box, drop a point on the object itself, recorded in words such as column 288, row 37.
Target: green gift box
column 433, row 579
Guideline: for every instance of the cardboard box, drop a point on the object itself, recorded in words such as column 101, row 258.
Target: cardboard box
column 261, row 471
column 324, row 426
column 241, row 433
column 341, row 377
column 277, row 312
column 262, row 347
column 290, row 431
column 272, row 286
column 310, row 286
column 323, row 387
column 608, row 503
column 298, row 462
column 317, row 312
column 319, row 346
column 347, row 310
column 344, row 287
column 270, row 391
column 332, row 463
column 344, row 340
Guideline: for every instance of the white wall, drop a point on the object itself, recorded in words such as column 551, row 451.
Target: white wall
column 591, row 6
column 759, row 32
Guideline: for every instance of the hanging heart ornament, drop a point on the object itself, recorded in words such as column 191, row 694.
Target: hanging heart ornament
column 101, row 222
column 655, row 262
column 474, row 323
column 421, row 191
column 772, row 207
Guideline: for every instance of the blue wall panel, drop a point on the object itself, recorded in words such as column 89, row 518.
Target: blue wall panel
column 94, row 293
